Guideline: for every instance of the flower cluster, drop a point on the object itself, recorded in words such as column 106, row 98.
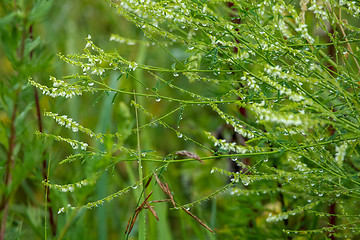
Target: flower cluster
column 275, row 71
column 71, row 124
column 284, row 29
column 350, row 6
column 231, row 147
column 250, row 81
column 340, row 153
column 133, row 66
column 60, row 89
column 63, row 209
column 64, row 121
column 286, row 118
column 94, row 61
column 74, row 144
column 296, row 97
column 319, row 11
column 68, row 187
column 109, row 198
column 302, row 29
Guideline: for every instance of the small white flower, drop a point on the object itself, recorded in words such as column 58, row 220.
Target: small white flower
column 61, row 210
column 133, row 66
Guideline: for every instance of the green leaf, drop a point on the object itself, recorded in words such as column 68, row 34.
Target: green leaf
column 30, row 45
column 7, row 20
column 39, row 12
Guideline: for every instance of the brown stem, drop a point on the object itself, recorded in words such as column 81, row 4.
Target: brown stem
column 3, row 221
column 332, row 218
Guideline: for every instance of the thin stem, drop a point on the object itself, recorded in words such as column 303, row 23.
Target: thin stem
column 142, row 218
column 46, row 199
column 3, row 220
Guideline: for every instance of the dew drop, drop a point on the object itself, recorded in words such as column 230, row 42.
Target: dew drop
column 158, row 99
column 245, row 181
column 176, row 74
column 179, row 134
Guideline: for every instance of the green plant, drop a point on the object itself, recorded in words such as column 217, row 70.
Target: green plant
column 276, row 97
column 24, row 161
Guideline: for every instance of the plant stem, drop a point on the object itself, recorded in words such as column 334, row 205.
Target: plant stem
column 142, row 216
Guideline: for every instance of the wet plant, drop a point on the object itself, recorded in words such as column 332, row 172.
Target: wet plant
column 263, row 94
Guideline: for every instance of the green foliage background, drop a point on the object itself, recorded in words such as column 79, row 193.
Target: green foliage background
column 284, row 102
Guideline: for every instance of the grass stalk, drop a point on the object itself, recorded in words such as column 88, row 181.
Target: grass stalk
column 142, row 214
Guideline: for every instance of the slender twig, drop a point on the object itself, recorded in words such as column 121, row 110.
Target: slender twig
column 143, row 216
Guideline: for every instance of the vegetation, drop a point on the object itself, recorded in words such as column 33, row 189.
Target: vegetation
column 180, row 120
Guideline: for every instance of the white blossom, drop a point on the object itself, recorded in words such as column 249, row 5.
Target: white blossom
column 340, row 153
